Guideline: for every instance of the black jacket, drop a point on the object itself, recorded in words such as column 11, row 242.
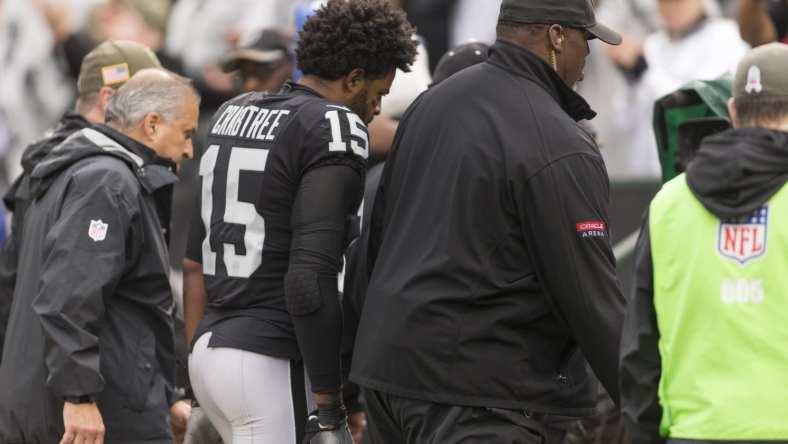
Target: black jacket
column 733, row 174
column 354, row 287
column 92, row 308
column 17, row 199
column 495, row 275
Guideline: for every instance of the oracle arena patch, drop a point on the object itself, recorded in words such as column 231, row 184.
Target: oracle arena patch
column 744, row 238
column 591, row 228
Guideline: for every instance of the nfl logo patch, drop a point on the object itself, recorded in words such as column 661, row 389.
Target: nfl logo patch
column 743, row 239
column 98, row 230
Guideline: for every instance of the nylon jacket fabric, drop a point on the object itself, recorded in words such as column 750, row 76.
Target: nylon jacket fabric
column 486, row 288
column 733, row 173
column 92, row 310
column 17, row 199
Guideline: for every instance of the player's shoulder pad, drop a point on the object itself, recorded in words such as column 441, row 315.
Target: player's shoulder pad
column 331, row 131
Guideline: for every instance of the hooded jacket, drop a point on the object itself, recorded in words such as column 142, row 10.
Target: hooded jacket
column 17, row 200
column 92, row 307
column 732, row 175
column 492, row 276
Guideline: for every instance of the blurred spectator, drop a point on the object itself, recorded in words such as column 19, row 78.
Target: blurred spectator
column 34, row 91
column 271, row 14
column 408, row 85
column 763, row 21
column 201, row 32
column 638, row 19
column 433, row 22
column 474, row 20
column 142, row 21
column 265, row 65
column 692, row 44
column 606, row 85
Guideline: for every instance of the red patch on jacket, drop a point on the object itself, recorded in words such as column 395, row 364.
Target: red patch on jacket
column 591, row 228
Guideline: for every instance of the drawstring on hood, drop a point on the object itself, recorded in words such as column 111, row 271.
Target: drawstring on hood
column 737, row 171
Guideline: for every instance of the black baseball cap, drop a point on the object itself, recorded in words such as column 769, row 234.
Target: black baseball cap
column 273, row 45
column 570, row 13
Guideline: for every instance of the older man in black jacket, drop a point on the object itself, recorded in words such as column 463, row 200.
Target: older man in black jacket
column 89, row 346
column 120, row 58
column 495, row 279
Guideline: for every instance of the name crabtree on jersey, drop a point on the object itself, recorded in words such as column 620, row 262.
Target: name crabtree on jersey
column 258, row 148
column 323, row 142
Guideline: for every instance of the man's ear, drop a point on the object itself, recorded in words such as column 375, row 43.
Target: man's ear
column 556, row 37
column 733, row 114
column 104, row 94
column 151, row 125
column 354, row 81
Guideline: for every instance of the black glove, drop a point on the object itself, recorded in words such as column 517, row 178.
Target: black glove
column 328, row 425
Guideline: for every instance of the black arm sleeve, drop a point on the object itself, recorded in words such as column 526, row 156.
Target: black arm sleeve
column 640, row 360
column 196, row 232
column 327, row 196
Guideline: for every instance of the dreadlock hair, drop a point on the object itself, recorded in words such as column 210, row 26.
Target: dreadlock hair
column 344, row 35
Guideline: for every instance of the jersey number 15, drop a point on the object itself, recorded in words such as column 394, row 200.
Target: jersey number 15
column 235, row 211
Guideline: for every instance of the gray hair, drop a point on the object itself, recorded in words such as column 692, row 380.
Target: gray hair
column 148, row 91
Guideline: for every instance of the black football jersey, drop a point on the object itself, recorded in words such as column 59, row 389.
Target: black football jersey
column 258, row 147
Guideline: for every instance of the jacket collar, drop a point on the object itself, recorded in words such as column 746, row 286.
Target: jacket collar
column 152, row 171
column 70, row 123
column 522, row 62
column 72, row 120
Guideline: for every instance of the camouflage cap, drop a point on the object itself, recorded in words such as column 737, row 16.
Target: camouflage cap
column 763, row 72
column 112, row 63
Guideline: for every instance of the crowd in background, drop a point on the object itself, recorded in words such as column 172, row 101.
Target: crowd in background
column 667, row 43
column 231, row 47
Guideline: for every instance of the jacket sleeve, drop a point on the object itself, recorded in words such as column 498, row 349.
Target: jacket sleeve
column 9, row 258
column 84, row 257
column 640, row 360
column 564, row 212
column 8, row 267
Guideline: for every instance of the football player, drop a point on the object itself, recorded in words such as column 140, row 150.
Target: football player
column 282, row 175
